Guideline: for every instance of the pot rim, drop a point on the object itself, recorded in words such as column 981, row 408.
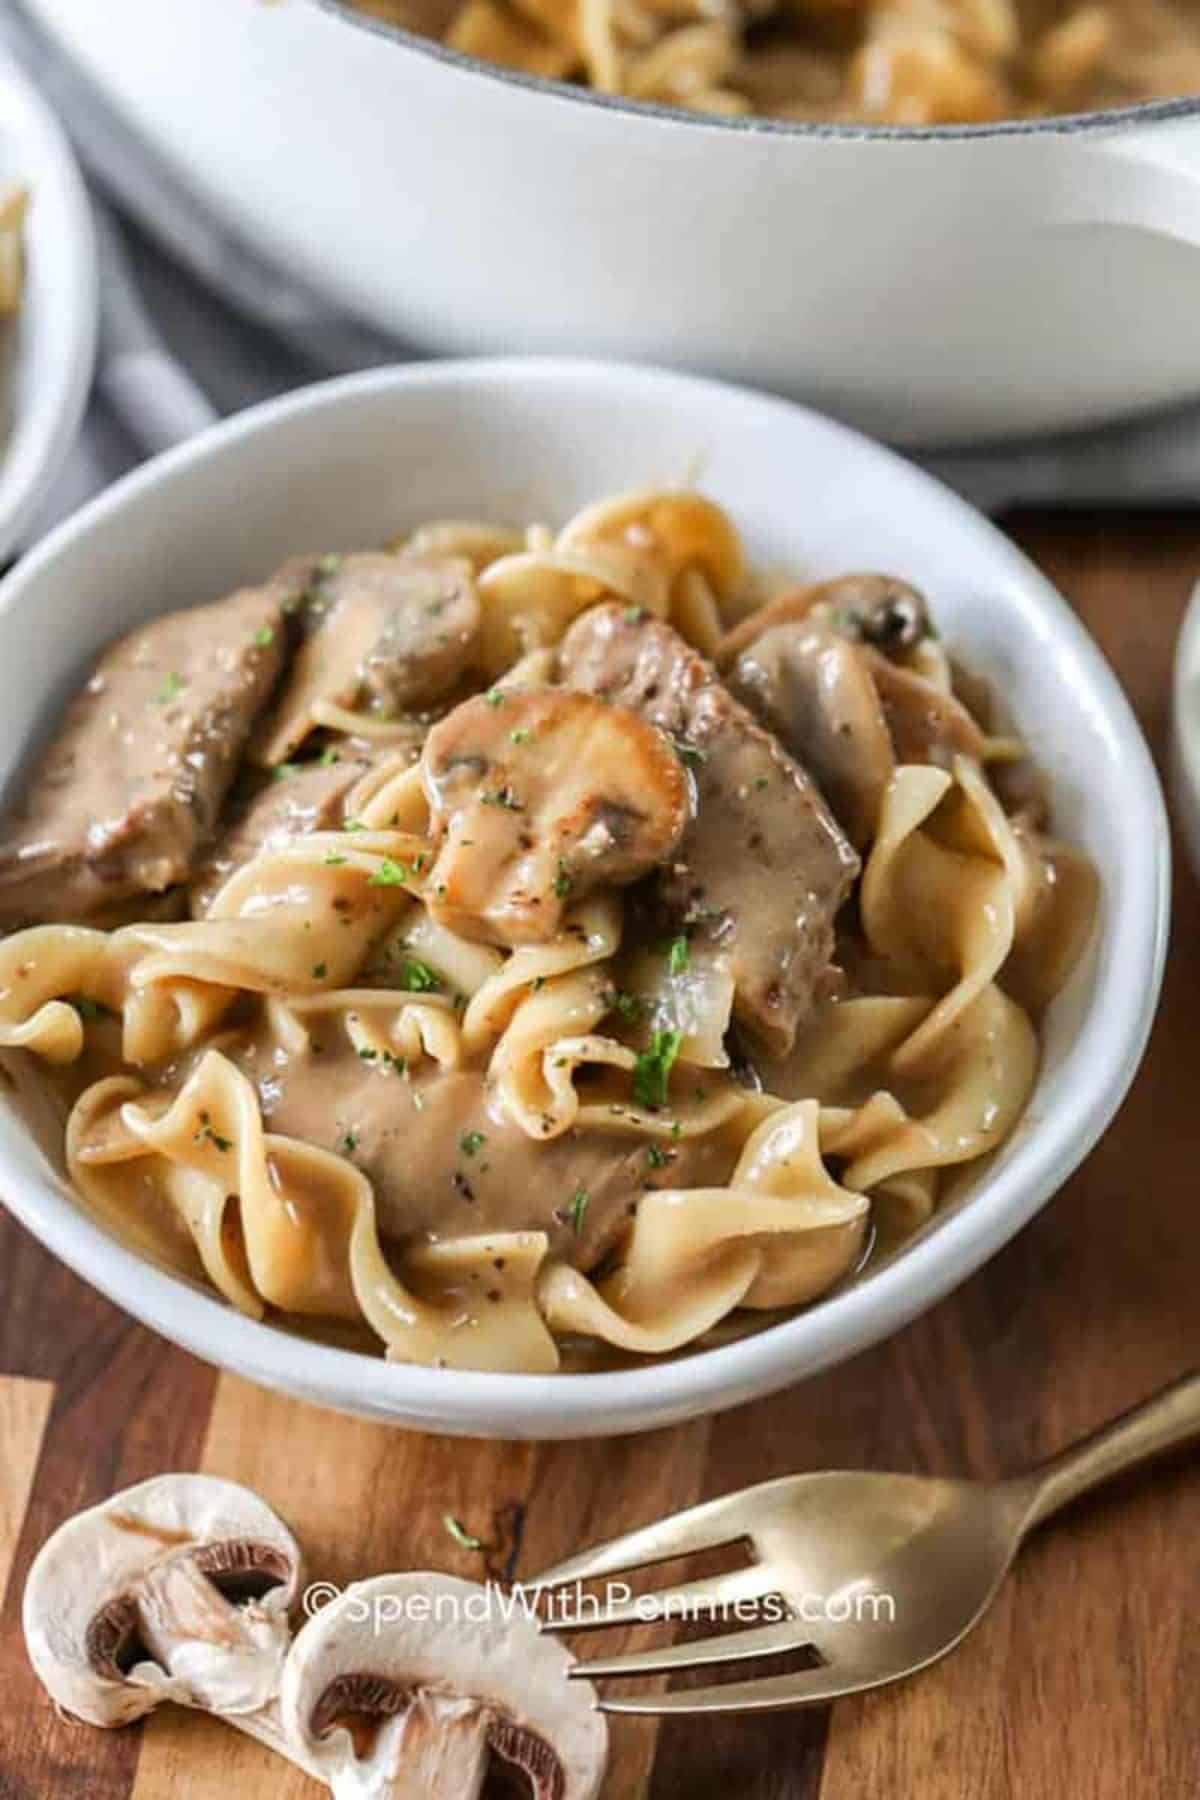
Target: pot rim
column 1107, row 120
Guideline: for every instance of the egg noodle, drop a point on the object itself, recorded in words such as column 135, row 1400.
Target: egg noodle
column 921, row 1057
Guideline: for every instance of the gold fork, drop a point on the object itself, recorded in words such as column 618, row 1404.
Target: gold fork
column 881, row 1574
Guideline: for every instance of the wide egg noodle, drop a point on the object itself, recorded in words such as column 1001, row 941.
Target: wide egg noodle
column 967, row 918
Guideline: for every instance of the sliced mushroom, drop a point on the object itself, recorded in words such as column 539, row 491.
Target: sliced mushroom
column 390, row 633
column 419, row 1683
column 814, row 690
column 877, row 609
column 177, row 1589
column 542, row 795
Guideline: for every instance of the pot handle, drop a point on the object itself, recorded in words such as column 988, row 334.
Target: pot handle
column 1133, row 187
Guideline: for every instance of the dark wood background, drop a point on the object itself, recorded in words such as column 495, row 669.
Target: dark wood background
column 1084, row 1681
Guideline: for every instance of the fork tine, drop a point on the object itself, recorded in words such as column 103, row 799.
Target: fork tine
column 775, row 1693
column 726, row 1647
column 689, row 1599
column 703, row 1527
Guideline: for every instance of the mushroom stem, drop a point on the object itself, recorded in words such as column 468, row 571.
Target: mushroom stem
column 438, row 1748
column 228, row 1657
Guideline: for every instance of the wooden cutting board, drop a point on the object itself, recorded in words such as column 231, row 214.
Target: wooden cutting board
column 1084, row 1681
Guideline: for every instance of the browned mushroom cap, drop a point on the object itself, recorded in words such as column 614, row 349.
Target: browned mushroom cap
column 876, row 609
column 418, row 1683
column 813, row 689
column 392, row 633
column 544, row 794
column 178, row 1589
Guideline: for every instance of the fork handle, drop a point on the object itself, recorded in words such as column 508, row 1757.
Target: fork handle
column 1159, row 1424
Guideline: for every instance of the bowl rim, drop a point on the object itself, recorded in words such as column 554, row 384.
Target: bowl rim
column 1104, row 120
column 1185, row 725
column 1128, row 981
column 44, row 428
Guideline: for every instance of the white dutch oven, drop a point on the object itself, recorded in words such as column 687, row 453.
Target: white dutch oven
column 938, row 285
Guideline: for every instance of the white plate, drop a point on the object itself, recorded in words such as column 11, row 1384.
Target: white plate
column 48, row 377
column 353, row 461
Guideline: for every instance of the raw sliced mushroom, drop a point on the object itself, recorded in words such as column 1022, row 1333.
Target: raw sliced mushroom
column 177, row 1589
column 420, row 1683
column 542, row 795
column 387, row 633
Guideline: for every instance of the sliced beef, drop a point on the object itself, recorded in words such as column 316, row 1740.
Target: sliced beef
column 133, row 783
column 813, row 688
column 445, row 1162
column 763, row 867
column 309, row 797
column 389, row 633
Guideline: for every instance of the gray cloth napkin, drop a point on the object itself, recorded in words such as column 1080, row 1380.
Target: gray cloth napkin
column 198, row 323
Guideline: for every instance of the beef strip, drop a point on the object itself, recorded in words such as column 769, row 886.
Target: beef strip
column 446, row 1162
column 133, row 783
column 309, row 797
column 763, row 867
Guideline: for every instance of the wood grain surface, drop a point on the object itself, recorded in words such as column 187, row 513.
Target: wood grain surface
column 1084, row 1681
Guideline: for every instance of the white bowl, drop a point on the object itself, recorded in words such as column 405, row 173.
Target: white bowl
column 352, row 461
column 1185, row 731
column 931, row 286
column 46, row 382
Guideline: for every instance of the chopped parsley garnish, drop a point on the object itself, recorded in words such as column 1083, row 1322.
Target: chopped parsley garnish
column 634, row 615
column 388, row 874
column 171, row 688
column 471, row 1141
column 348, row 1143
column 578, row 1206
column 329, row 565
column 761, row 782
column 418, row 977
column 328, row 757
column 520, row 735
column 630, row 1006
column 367, row 1054
column 264, row 635
column 460, row 1534
column 658, row 1159
column 690, row 755
column 333, row 859
column 678, row 956
column 320, row 970
column 562, row 881
column 399, row 1064
column 353, row 825
column 494, row 697
column 283, row 771
column 652, row 1070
